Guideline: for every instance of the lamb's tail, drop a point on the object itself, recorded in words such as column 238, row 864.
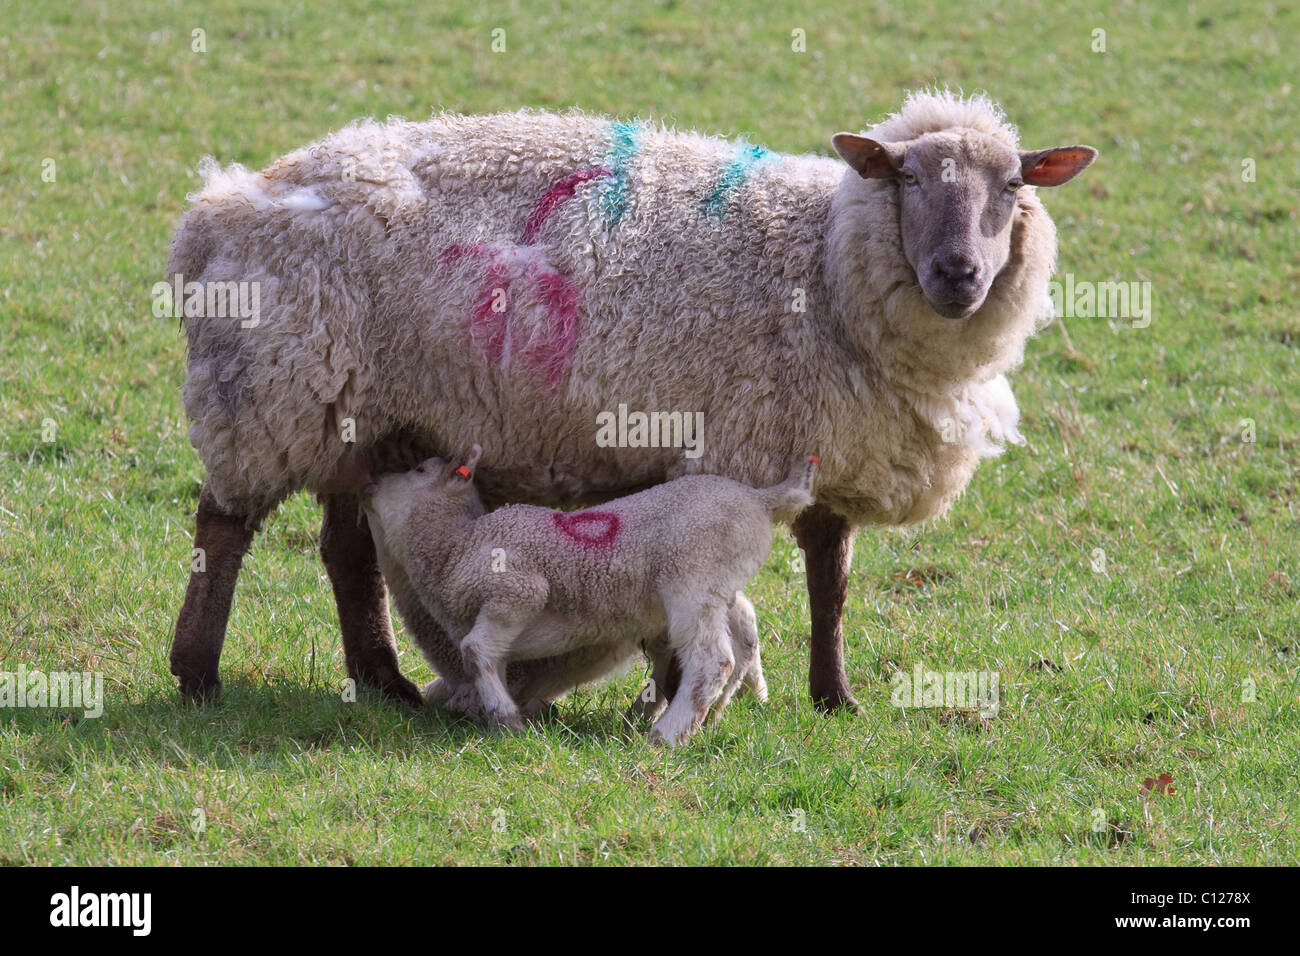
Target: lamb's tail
column 794, row 494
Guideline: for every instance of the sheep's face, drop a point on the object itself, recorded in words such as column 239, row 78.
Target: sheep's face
column 957, row 194
column 446, row 486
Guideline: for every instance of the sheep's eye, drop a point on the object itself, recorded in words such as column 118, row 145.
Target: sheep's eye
column 420, row 469
column 909, row 177
column 1014, row 185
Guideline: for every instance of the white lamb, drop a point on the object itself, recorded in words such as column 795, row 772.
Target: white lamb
column 599, row 585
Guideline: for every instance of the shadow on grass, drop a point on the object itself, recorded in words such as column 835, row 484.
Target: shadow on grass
column 281, row 722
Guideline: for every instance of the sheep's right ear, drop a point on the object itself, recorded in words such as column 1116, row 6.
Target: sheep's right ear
column 870, row 158
column 1052, row 167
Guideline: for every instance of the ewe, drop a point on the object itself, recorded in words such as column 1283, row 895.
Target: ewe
column 513, row 277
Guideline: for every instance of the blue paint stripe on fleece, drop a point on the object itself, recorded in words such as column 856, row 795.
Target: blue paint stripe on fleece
column 734, row 175
column 624, row 145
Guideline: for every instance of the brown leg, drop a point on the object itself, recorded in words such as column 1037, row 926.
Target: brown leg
column 201, row 626
column 362, row 600
column 672, row 679
column 827, row 542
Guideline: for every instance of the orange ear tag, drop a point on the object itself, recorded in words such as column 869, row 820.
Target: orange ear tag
column 463, row 472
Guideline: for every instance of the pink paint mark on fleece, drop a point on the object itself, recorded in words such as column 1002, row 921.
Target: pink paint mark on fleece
column 458, row 251
column 490, row 320
column 495, row 326
column 557, row 196
column 589, row 529
column 549, row 353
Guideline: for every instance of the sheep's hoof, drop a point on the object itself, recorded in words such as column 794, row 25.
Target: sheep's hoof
column 394, row 687
column 200, row 690
column 403, row 690
column 836, row 701
column 632, row 724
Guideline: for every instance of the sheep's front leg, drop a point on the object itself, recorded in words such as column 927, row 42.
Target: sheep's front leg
column 827, row 542
column 484, row 650
column 369, row 647
column 221, row 540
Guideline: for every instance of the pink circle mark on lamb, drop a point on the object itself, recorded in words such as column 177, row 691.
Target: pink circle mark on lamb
column 590, row 529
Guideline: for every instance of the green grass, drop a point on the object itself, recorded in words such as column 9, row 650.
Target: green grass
column 1134, row 448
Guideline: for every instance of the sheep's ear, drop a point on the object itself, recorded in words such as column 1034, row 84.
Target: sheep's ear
column 870, row 158
column 1051, row 167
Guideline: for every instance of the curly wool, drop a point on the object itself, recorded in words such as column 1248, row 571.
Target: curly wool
column 507, row 278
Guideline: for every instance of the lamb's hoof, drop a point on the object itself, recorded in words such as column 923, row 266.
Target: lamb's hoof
column 435, row 692
column 200, row 690
column 664, row 734
column 507, row 722
column 511, row 724
column 540, row 711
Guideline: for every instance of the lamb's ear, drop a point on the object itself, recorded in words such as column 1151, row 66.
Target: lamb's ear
column 870, row 158
column 462, row 469
column 1051, row 167
column 473, row 455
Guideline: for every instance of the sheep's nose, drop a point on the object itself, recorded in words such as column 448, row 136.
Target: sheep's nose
column 955, row 267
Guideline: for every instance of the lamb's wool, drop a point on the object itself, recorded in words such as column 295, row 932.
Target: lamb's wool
column 509, row 277
column 582, row 592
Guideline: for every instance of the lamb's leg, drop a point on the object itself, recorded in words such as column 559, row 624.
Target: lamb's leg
column 201, row 626
column 703, row 644
column 743, row 618
column 742, row 627
column 754, row 679
column 827, row 542
column 484, row 649
column 369, row 648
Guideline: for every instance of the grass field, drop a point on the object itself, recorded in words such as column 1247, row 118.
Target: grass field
column 1131, row 573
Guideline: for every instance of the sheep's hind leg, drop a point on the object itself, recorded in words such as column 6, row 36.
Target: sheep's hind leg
column 827, row 542
column 221, row 540
column 369, row 647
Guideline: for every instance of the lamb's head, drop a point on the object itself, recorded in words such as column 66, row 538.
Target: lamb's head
column 957, row 200
column 432, row 488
